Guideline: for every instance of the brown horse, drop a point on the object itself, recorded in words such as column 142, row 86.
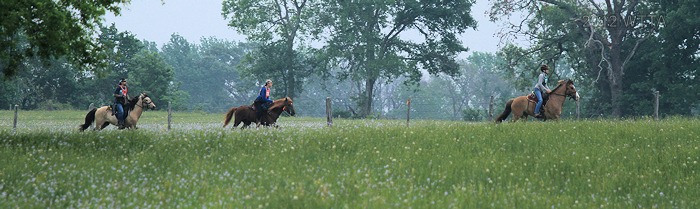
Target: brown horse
column 103, row 117
column 522, row 107
column 247, row 115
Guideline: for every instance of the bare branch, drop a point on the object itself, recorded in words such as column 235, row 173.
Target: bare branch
column 602, row 59
column 629, row 56
column 600, row 12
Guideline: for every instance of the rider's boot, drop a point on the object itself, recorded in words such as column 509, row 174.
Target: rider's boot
column 541, row 115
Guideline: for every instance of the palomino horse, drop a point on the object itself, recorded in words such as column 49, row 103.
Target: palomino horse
column 247, row 115
column 104, row 117
column 522, row 107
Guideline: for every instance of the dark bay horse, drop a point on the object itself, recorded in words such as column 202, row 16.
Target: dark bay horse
column 522, row 107
column 103, row 117
column 246, row 115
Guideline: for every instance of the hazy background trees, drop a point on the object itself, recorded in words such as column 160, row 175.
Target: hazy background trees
column 617, row 52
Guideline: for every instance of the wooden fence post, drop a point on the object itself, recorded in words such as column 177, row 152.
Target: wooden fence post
column 92, row 105
column 329, row 112
column 491, row 109
column 408, row 113
column 14, row 124
column 577, row 110
column 170, row 114
column 656, row 105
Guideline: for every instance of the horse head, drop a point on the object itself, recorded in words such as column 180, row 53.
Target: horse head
column 571, row 90
column 145, row 102
column 289, row 106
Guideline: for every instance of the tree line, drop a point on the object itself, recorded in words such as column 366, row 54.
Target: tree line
column 616, row 57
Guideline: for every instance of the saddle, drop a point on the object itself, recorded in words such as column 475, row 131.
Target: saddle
column 114, row 110
column 533, row 98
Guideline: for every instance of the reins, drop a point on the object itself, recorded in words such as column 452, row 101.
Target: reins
column 564, row 95
column 141, row 101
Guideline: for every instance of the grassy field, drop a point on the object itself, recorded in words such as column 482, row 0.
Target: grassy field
column 357, row 163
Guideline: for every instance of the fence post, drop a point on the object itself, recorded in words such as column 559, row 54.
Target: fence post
column 577, row 111
column 170, row 112
column 92, row 105
column 329, row 112
column 491, row 109
column 14, row 124
column 656, row 105
column 408, row 113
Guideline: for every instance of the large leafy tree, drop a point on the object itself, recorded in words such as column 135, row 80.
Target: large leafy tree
column 620, row 50
column 150, row 74
column 278, row 26
column 365, row 39
column 206, row 72
column 605, row 35
column 119, row 49
column 52, row 29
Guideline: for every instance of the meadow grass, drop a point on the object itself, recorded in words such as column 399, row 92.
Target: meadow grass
column 356, row 163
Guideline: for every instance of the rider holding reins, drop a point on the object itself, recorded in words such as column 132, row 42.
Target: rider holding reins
column 121, row 98
column 262, row 102
column 541, row 87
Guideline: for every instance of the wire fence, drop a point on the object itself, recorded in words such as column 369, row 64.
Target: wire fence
column 412, row 107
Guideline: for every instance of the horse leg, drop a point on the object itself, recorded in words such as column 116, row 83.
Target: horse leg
column 246, row 124
column 101, row 119
column 236, row 122
column 515, row 119
column 104, row 125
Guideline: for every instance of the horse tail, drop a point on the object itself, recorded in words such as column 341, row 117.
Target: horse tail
column 89, row 118
column 505, row 113
column 229, row 115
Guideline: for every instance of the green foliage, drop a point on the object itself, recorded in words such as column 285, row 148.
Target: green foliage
column 618, row 57
column 61, row 85
column 341, row 114
column 356, row 163
column 150, row 74
column 365, row 40
column 206, row 73
column 42, row 29
column 473, row 114
column 280, row 28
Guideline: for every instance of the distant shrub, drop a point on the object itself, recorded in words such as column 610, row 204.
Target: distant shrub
column 341, row 114
column 473, row 114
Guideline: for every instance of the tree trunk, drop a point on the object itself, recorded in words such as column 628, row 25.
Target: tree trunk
column 615, row 76
column 369, row 90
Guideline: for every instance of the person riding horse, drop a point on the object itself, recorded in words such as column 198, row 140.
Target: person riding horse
column 541, row 87
column 121, row 98
column 262, row 102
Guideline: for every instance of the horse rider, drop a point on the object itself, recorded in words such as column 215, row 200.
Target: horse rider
column 262, row 102
column 121, row 98
column 541, row 87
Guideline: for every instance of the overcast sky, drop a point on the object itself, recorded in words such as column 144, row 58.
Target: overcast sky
column 154, row 21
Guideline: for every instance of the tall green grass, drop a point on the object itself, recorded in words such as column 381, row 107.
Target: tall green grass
column 356, row 163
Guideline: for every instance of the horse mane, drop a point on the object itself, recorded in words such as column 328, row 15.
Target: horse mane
column 132, row 103
column 279, row 103
column 562, row 83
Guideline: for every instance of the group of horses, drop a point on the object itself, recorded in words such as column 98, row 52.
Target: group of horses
column 521, row 107
column 103, row 116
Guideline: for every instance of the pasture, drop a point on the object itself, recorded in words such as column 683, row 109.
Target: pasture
column 355, row 164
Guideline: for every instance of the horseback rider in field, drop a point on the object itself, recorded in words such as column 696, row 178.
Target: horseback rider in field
column 262, row 102
column 121, row 98
column 540, row 88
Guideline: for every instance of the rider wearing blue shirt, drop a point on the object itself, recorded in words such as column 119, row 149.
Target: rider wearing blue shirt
column 262, row 102
column 541, row 87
